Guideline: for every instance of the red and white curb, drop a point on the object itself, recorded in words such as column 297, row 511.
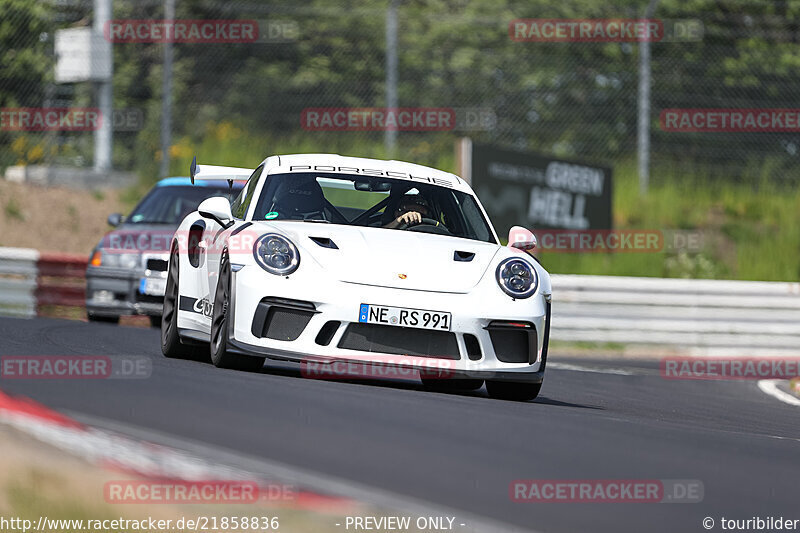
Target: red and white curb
column 156, row 456
column 115, row 451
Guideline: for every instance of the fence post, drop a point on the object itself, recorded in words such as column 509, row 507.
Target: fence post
column 643, row 133
column 166, row 96
column 103, row 135
column 390, row 135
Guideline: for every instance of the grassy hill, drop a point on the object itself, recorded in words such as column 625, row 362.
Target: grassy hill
column 749, row 231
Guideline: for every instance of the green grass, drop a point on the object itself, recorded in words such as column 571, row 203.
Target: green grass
column 26, row 500
column 39, row 493
column 564, row 346
column 750, row 231
column 13, row 210
column 224, row 144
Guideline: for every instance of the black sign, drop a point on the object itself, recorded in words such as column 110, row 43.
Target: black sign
column 535, row 191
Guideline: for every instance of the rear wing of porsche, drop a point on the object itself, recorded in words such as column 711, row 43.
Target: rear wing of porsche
column 214, row 172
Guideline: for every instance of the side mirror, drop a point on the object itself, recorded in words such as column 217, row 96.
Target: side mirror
column 217, row 208
column 521, row 238
column 114, row 220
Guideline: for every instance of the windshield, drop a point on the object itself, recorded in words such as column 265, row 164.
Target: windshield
column 168, row 205
column 372, row 202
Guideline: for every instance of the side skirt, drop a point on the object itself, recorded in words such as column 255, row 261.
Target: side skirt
column 192, row 337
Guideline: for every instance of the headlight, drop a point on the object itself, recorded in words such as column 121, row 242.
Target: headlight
column 128, row 260
column 517, row 278
column 116, row 259
column 276, row 254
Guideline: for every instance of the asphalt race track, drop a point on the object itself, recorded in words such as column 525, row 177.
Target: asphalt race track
column 460, row 451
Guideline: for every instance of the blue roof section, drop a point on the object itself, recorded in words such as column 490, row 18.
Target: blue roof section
column 186, row 181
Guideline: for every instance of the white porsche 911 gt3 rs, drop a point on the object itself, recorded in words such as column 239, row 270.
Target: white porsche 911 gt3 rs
column 328, row 258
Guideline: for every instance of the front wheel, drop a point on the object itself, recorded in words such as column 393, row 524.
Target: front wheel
column 519, row 392
column 219, row 327
column 171, row 345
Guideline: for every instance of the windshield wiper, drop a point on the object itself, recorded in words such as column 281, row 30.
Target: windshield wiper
column 317, row 220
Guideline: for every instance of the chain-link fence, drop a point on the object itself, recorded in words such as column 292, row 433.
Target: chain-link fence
column 241, row 100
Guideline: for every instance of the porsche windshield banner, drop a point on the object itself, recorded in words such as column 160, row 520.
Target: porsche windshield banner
column 536, row 191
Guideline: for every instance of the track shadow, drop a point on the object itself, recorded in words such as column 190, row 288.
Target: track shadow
column 544, row 400
column 293, row 371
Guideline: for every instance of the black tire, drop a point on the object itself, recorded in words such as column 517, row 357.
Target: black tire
column 220, row 356
column 102, row 319
column 171, row 345
column 155, row 321
column 518, row 392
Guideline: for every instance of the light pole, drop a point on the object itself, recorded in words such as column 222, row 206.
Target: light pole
column 390, row 135
column 166, row 94
column 103, row 135
column 643, row 132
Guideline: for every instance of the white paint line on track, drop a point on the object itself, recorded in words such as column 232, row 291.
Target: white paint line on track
column 594, row 369
column 770, row 386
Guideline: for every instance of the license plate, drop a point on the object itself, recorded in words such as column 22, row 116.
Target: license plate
column 153, row 286
column 404, row 317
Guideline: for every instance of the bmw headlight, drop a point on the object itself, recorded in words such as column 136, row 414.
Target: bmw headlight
column 116, row 259
column 130, row 261
column 517, row 278
column 276, row 254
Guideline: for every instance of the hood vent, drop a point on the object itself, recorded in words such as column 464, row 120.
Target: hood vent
column 325, row 242
column 463, row 257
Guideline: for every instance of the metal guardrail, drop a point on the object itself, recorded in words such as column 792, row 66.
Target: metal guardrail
column 62, row 280
column 738, row 317
column 18, row 272
column 30, row 280
column 706, row 316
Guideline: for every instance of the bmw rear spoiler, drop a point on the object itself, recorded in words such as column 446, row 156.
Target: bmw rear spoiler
column 214, row 172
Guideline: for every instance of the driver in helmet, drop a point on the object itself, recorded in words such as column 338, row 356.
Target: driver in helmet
column 410, row 211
